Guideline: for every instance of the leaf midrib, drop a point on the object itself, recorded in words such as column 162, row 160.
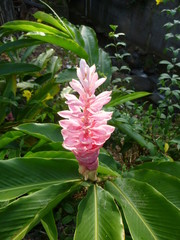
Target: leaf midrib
column 95, row 213
column 133, row 207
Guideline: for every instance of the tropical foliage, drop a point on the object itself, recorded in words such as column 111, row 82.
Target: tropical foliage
column 38, row 175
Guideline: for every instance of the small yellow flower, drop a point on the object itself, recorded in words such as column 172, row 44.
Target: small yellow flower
column 158, row 2
column 166, row 147
column 27, row 94
column 48, row 97
column 39, row 20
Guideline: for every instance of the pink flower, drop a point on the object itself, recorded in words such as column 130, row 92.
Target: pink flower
column 85, row 128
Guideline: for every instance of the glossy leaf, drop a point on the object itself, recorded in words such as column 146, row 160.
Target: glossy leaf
column 66, row 75
column 75, row 32
column 17, row 68
column 172, row 168
column 104, row 67
column 91, row 44
column 46, row 131
column 61, row 42
column 51, row 154
column 166, row 184
column 148, row 213
column 9, row 137
column 47, row 18
column 106, row 167
column 98, row 217
column 21, row 43
column 26, row 174
column 30, row 26
column 49, row 225
column 129, row 97
column 21, row 215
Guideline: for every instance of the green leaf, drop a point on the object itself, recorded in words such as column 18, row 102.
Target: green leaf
column 9, row 137
column 66, row 75
column 104, row 66
column 43, row 58
column 49, row 225
column 91, row 44
column 122, row 99
column 51, row 154
column 76, row 35
column 36, row 103
column 60, row 41
column 21, row 215
column 45, row 17
column 107, row 159
column 21, row 43
column 165, row 62
column 27, row 174
column 30, row 26
column 127, row 129
column 166, row 184
column 46, row 131
column 17, row 68
column 54, row 65
column 148, row 213
column 172, row 168
column 104, row 218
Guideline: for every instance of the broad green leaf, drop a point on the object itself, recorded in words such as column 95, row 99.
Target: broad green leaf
column 166, row 184
column 43, row 58
column 21, row 43
column 107, row 159
column 129, row 97
column 127, row 129
column 60, row 41
column 66, row 75
column 103, row 169
column 17, row 68
column 21, row 215
column 148, row 213
column 91, row 44
column 26, row 174
column 48, row 146
column 104, row 66
column 30, row 26
column 49, row 225
column 46, row 131
column 51, row 154
column 54, row 65
column 98, row 217
column 9, row 137
column 171, row 168
column 47, row 18
column 76, row 35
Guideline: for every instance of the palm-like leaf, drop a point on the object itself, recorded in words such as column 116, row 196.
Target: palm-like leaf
column 148, row 213
column 21, row 175
column 98, row 217
column 21, row 215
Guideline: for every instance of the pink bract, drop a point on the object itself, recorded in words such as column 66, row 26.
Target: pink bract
column 85, row 128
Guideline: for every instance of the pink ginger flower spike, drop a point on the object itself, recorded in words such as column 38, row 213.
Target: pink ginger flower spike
column 85, row 128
